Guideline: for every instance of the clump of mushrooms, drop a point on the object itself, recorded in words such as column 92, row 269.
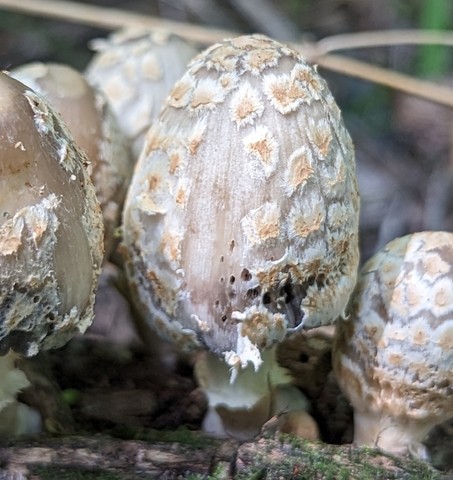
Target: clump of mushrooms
column 241, row 222
column 136, row 69
column 393, row 355
column 51, row 240
column 94, row 128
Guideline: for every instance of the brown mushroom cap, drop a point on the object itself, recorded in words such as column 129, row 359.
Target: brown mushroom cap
column 136, row 69
column 393, row 355
column 51, row 229
column 241, row 222
column 93, row 126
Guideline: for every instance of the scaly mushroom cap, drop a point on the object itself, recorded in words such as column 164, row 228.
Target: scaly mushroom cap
column 241, row 221
column 50, row 226
column 93, row 126
column 394, row 354
column 136, row 70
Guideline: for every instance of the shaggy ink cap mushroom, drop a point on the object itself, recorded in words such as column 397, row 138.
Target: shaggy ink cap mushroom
column 51, row 232
column 136, row 69
column 94, row 127
column 393, row 355
column 241, row 222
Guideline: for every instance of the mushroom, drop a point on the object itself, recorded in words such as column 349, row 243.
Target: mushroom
column 393, row 355
column 51, row 234
column 241, row 222
column 16, row 418
column 94, row 127
column 136, row 69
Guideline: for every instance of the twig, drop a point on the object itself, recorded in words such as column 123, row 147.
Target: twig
column 399, row 81
column 110, row 18
column 385, row 38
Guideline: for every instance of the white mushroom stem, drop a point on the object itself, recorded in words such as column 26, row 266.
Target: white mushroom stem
column 396, row 435
column 15, row 418
column 240, row 404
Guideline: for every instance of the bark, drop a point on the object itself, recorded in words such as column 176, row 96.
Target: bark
column 184, row 454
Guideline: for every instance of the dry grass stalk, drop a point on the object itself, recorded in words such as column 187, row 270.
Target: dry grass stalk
column 111, row 18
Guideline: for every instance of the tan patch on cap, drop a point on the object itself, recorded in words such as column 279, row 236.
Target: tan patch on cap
column 285, row 94
column 207, row 94
column 434, row 266
column 180, row 95
column 223, row 59
column 257, row 60
column 300, row 169
column 150, row 67
column 320, row 136
column 261, row 144
column 246, row 105
column 262, row 223
column 309, row 78
column 175, row 162
column 196, row 137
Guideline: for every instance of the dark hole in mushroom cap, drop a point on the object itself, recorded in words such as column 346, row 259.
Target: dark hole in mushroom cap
column 246, row 275
column 320, row 280
column 20, row 289
column 266, row 298
column 253, row 292
column 287, row 293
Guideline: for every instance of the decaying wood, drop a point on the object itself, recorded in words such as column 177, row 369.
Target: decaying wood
column 198, row 457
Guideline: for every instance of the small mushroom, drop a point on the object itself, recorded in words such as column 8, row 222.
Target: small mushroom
column 16, row 418
column 51, row 231
column 393, row 355
column 241, row 222
column 136, row 69
column 94, row 128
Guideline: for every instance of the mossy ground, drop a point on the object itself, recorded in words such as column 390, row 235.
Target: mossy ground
column 54, row 473
column 307, row 461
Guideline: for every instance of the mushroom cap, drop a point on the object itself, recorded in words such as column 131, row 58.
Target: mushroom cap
column 393, row 355
column 51, row 232
column 136, row 69
column 93, row 126
column 241, row 221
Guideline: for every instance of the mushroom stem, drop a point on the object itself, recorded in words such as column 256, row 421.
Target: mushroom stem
column 16, row 418
column 395, row 435
column 241, row 403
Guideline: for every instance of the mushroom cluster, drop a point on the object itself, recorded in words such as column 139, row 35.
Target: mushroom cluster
column 94, row 128
column 241, row 222
column 51, row 233
column 136, row 69
column 393, row 355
